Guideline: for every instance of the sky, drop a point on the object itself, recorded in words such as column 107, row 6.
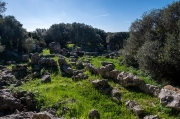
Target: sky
column 108, row 15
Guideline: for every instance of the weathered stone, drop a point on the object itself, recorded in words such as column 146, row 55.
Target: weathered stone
column 54, row 47
column 151, row 117
column 91, row 68
column 43, row 115
column 102, row 85
column 21, row 115
column 94, row 114
column 170, row 96
column 150, row 89
column 113, row 74
column 6, row 80
column 127, row 79
column 135, row 107
column 79, row 76
column 62, row 61
column 46, row 79
column 116, row 95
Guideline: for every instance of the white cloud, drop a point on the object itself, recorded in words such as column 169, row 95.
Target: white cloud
column 104, row 15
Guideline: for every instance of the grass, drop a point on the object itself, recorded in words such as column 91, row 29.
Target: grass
column 76, row 98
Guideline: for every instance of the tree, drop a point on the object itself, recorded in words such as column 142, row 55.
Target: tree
column 154, row 42
column 29, row 44
column 2, row 7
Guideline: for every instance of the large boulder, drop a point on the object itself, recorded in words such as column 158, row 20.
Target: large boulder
column 54, row 47
column 127, row 79
column 170, row 96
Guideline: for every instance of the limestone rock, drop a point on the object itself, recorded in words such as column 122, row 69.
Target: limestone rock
column 46, row 79
column 127, row 79
column 170, row 96
column 150, row 89
column 151, row 117
column 135, row 107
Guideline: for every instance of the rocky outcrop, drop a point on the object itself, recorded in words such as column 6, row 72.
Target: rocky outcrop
column 94, row 114
column 170, row 96
column 54, row 47
column 135, row 107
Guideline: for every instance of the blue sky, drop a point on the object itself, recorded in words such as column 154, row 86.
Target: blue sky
column 108, row 15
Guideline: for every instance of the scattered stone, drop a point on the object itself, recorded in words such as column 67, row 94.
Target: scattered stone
column 116, row 95
column 46, row 79
column 170, row 96
column 94, row 114
column 43, row 115
column 151, row 117
column 91, row 68
column 102, row 85
column 135, row 107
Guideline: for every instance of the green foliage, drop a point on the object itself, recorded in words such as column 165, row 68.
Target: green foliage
column 153, row 44
column 116, row 40
column 29, row 44
column 76, row 98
